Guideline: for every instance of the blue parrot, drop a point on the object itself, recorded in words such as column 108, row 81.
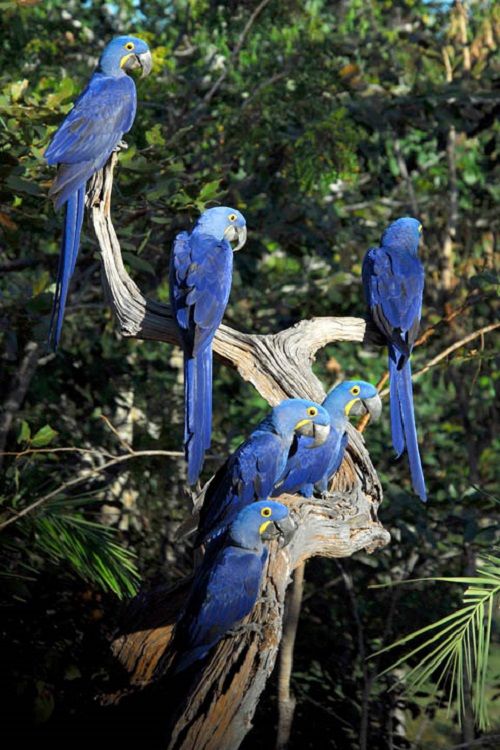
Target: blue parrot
column 306, row 468
column 393, row 279
column 251, row 472
column 227, row 583
column 103, row 112
column 201, row 269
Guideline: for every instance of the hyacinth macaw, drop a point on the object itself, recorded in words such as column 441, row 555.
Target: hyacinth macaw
column 251, row 472
column 103, row 112
column 201, row 269
column 393, row 279
column 227, row 583
column 305, row 468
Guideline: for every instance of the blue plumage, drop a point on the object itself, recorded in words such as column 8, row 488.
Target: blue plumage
column 226, row 584
column 307, row 468
column 251, row 472
column 393, row 279
column 101, row 115
column 201, row 268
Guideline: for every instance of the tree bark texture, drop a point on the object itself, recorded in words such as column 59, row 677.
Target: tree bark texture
column 214, row 711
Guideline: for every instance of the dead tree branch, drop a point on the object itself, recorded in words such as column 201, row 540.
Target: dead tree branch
column 216, row 709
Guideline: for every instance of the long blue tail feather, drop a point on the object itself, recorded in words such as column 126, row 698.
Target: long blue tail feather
column 404, row 431
column 397, row 428
column 198, row 410
column 73, row 220
column 206, row 364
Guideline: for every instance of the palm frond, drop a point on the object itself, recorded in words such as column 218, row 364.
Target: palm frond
column 88, row 547
column 459, row 646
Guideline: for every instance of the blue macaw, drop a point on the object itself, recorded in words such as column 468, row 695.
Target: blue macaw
column 393, row 279
column 251, row 472
column 305, row 468
column 227, row 583
column 201, row 269
column 103, row 112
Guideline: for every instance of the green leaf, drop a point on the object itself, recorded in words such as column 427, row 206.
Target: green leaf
column 24, row 433
column 154, row 136
column 43, row 437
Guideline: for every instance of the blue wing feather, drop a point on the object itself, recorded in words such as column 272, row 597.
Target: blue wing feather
column 394, row 282
column 81, row 146
column 248, row 475
column 200, row 282
column 307, row 466
column 224, row 592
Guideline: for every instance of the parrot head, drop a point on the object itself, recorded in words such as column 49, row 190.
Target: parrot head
column 250, row 524
column 222, row 223
column 353, row 397
column 124, row 53
column 404, row 234
column 304, row 417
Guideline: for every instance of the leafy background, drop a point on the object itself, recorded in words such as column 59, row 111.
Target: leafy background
column 321, row 121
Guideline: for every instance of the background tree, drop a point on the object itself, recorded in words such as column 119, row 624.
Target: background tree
column 322, row 122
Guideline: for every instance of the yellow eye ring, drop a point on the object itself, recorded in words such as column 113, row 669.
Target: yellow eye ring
column 129, row 45
column 312, row 411
column 266, row 512
column 355, row 390
column 232, row 217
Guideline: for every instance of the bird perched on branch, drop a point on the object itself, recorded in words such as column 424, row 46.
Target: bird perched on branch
column 94, row 128
column 227, row 583
column 393, row 279
column 201, row 269
column 305, row 468
column 251, row 472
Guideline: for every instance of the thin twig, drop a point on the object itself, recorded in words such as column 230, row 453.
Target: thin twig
column 449, row 350
column 67, row 449
column 236, row 51
column 115, row 432
column 82, row 478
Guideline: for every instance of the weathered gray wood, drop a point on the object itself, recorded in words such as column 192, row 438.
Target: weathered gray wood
column 215, row 712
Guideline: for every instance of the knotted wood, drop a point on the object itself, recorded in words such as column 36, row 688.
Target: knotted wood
column 214, row 710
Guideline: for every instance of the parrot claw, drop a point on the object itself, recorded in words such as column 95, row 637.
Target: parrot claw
column 247, row 627
column 120, row 146
column 267, row 600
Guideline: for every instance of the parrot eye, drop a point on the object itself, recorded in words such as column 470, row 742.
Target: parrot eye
column 266, row 512
column 232, row 217
column 312, row 411
column 129, row 45
column 355, row 390
column 420, row 227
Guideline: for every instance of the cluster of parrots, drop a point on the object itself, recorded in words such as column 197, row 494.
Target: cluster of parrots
column 300, row 444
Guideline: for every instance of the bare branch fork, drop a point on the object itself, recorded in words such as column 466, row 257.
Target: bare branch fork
column 215, row 710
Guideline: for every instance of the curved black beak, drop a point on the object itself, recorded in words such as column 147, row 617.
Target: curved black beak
column 146, row 63
column 236, row 234
column 143, row 61
column 371, row 406
column 319, row 432
column 283, row 529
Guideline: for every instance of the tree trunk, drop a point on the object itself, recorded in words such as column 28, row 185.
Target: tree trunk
column 214, row 711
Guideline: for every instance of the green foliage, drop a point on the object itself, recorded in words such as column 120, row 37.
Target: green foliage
column 332, row 120
column 459, row 649
column 64, row 535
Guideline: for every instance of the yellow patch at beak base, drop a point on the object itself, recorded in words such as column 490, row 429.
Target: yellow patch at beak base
column 263, row 526
column 349, row 405
column 301, row 423
column 125, row 58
